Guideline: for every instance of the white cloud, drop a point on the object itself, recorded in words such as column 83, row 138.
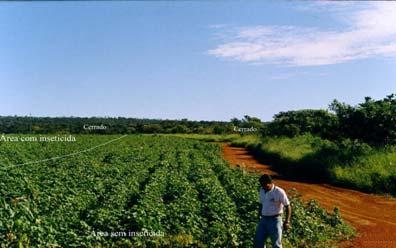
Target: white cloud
column 291, row 75
column 370, row 32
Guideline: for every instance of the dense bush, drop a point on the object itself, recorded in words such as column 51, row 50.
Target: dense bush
column 292, row 123
column 373, row 122
column 119, row 125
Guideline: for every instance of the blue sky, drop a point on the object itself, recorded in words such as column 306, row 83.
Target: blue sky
column 196, row 60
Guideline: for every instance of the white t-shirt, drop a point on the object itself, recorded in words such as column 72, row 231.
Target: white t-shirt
column 273, row 201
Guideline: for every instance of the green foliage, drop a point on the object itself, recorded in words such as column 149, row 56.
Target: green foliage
column 246, row 141
column 373, row 122
column 179, row 187
column 315, row 224
column 249, row 122
column 208, row 137
column 374, row 171
column 292, row 123
column 119, row 125
column 294, row 148
column 348, row 163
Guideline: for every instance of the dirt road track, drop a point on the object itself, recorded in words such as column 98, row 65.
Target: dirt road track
column 374, row 217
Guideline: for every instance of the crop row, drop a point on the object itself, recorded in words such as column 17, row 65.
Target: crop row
column 176, row 187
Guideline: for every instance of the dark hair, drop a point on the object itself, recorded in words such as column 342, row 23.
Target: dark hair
column 265, row 179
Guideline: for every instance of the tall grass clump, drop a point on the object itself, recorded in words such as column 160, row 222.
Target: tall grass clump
column 348, row 163
column 372, row 172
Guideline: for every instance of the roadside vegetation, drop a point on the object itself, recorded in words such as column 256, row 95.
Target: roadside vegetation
column 349, row 146
column 350, row 164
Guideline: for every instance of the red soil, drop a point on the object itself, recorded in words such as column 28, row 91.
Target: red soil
column 374, row 217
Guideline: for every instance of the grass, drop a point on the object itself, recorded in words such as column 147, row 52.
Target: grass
column 208, row 137
column 292, row 149
column 374, row 172
column 250, row 141
column 348, row 164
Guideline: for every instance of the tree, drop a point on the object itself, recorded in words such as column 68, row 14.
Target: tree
column 373, row 122
column 318, row 122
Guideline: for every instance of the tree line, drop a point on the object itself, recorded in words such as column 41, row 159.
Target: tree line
column 109, row 125
column 372, row 122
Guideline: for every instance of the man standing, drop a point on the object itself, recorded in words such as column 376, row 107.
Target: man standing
column 272, row 201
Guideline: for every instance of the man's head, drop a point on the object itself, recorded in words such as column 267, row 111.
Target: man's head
column 266, row 182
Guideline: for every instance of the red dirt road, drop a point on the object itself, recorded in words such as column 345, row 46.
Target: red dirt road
column 374, row 217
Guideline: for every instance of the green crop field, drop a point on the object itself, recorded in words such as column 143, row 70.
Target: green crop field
column 139, row 191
